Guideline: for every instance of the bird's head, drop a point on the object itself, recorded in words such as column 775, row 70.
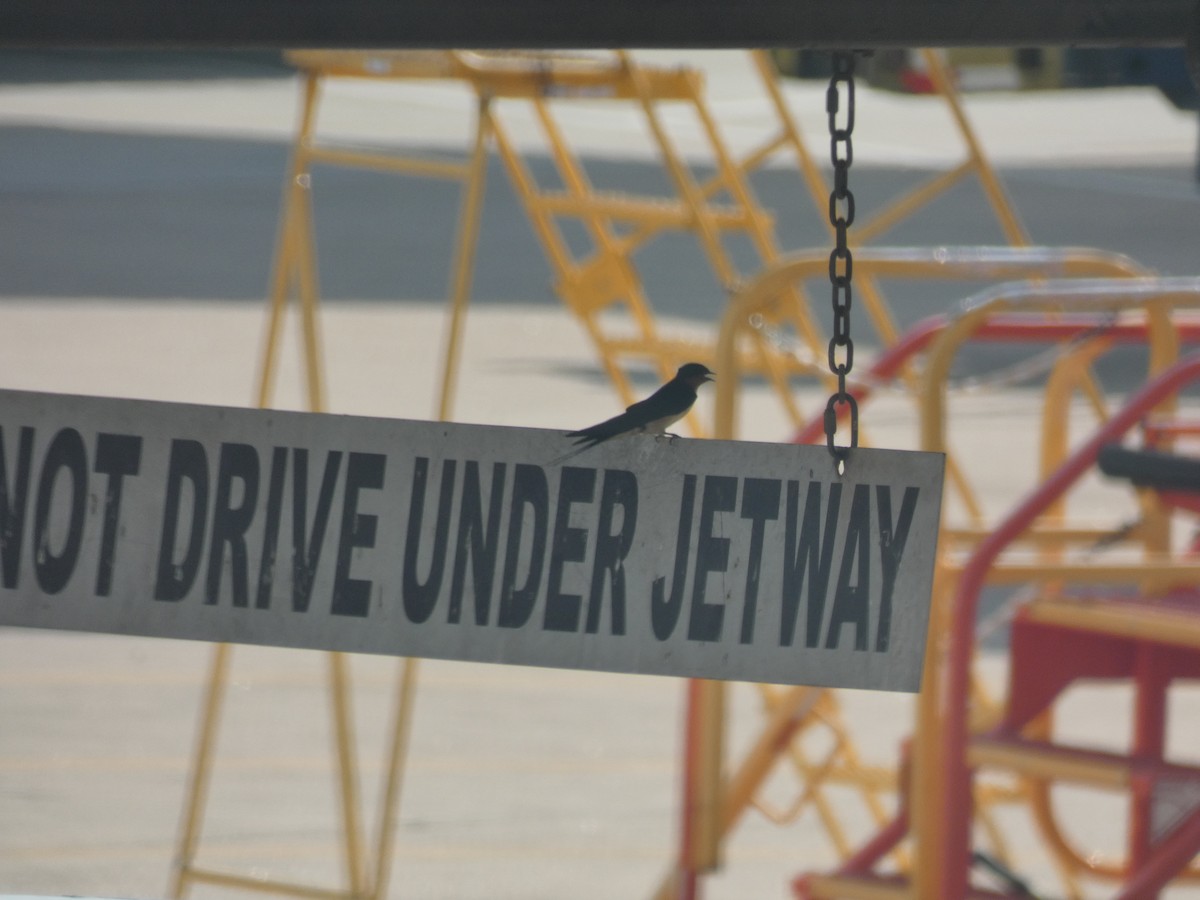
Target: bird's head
column 694, row 374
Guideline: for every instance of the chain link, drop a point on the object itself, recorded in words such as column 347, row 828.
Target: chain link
column 841, row 260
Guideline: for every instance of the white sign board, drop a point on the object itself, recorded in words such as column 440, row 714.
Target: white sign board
column 714, row 559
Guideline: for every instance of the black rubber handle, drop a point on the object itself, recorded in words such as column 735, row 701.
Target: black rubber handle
column 1151, row 468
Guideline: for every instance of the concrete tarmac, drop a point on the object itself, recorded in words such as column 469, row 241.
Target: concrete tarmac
column 138, row 218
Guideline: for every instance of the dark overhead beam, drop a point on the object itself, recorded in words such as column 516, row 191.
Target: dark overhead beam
column 592, row 23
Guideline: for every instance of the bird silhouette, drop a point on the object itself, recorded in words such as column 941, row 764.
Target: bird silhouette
column 654, row 415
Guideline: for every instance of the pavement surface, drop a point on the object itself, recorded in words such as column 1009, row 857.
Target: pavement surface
column 170, row 189
column 138, row 217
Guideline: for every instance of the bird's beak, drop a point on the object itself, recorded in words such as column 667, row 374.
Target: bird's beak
column 711, row 376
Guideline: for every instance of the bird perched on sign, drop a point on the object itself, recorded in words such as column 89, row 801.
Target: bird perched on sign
column 654, row 415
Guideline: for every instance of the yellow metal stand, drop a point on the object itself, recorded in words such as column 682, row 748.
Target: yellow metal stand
column 779, row 741
column 596, row 283
column 366, row 872
column 296, row 255
column 601, row 284
column 530, row 77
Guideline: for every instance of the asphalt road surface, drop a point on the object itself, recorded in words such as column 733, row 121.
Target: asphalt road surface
column 94, row 214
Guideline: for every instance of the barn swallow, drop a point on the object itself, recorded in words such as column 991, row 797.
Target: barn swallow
column 654, row 415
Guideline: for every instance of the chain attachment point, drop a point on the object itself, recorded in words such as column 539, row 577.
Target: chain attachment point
column 840, row 453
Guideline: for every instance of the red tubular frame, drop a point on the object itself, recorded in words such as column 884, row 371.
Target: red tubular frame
column 956, row 799
column 1011, row 328
column 867, row 856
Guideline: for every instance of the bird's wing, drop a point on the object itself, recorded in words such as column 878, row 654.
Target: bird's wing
column 608, row 428
column 673, row 399
column 668, row 403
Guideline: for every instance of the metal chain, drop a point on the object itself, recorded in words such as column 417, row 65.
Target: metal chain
column 841, row 261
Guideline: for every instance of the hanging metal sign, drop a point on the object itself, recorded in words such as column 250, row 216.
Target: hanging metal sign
column 713, row 559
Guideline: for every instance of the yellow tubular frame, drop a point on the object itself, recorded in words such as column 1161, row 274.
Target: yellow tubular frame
column 989, row 263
